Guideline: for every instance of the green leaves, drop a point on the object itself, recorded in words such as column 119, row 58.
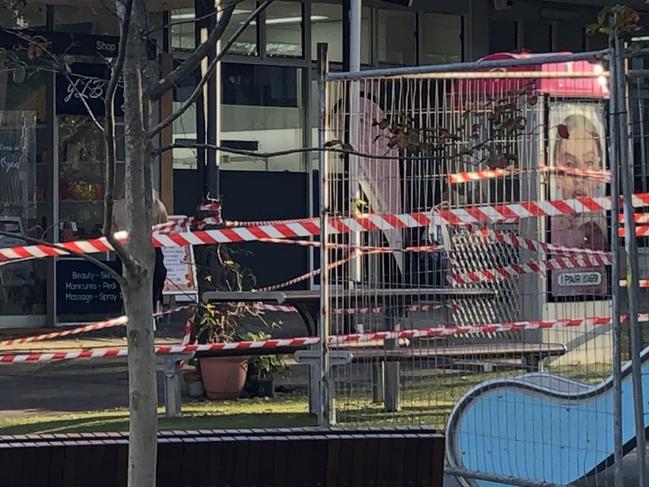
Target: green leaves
column 621, row 19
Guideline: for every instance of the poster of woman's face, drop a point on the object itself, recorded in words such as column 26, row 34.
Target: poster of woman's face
column 577, row 158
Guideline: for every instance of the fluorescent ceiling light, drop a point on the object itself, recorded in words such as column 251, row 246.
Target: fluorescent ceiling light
column 190, row 15
column 292, row 20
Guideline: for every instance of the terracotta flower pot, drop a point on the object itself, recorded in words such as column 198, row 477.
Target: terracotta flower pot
column 224, row 377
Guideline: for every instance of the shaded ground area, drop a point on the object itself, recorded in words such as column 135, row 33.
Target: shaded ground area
column 91, row 395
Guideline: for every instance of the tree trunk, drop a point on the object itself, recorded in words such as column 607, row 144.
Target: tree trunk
column 143, row 399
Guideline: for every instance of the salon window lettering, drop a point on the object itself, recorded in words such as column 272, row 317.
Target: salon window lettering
column 87, row 88
column 9, row 158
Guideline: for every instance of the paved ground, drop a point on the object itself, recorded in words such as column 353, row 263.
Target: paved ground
column 63, row 387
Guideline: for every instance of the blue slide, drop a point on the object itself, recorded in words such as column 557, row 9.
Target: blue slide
column 540, row 427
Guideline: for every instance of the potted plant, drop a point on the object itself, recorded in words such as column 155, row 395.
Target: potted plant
column 263, row 369
column 224, row 377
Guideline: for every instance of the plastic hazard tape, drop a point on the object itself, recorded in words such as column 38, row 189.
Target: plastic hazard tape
column 642, row 283
column 536, row 246
column 469, row 177
column 443, row 331
column 371, row 222
column 642, row 218
column 360, row 248
column 100, row 325
column 364, row 310
column 431, row 307
column 159, row 350
column 185, row 224
column 640, row 231
column 306, row 341
column 515, row 270
column 308, row 275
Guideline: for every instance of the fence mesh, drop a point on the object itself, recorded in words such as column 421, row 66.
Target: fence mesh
column 448, row 162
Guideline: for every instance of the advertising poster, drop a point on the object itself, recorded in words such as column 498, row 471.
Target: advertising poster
column 577, row 153
column 181, row 271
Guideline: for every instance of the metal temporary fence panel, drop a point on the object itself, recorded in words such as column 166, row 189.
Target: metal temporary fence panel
column 525, row 145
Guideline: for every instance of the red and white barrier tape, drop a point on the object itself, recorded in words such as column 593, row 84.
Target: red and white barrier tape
column 100, row 325
column 469, row 177
column 531, row 267
column 308, row 275
column 361, row 248
column 640, row 231
column 487, row 328
column 258, row 223
column 536, row 246
column 159, row 350
column 336, row 311
column 642, row 283
column 642, row 218
column 441, row 331
column 371, row 222
column 186, row 224
column 431, row 307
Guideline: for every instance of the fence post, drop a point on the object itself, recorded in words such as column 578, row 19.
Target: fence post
column 631, row 248
column 326, row 412
column 614, row 155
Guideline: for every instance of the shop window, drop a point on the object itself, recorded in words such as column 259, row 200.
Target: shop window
column 397, row 49
column 23, row 208
column 503, row 35
column 537, row 36
column 91, row 20
column 246, row 44
column 183, row 29
column 442, row 39
column 327, row 26
column 569, row 37
column 184, row 127
column 284, row 29
column 366, row 36
column 262, row 111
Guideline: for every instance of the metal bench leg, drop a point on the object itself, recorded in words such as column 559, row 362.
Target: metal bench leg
column 378, row 385
column 392, row 386
column 172, row 386
column 314, row 388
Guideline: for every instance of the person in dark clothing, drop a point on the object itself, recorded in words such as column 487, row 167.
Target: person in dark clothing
column 160, row 216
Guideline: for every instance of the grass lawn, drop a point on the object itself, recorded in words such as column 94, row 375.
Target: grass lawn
column 424, row 401
column 282, row 411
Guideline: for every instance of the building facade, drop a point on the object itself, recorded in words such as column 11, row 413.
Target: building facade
column 52, row 173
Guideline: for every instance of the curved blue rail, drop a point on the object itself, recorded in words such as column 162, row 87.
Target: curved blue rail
column 540, row 427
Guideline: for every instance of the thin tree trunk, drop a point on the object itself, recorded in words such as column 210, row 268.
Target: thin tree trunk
column 137, row 293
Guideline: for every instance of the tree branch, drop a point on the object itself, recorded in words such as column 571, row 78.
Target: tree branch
column 210, row 70
column 37, row 241
column 301, row 150
column 109, row 136
column 174, row 78
column 55, row 64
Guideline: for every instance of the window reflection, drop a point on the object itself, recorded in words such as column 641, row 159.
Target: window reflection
column 442, row 41
column 326, row 26
column 284, row 29
column 261, row 112
column 183, row 28
column 396, row 49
